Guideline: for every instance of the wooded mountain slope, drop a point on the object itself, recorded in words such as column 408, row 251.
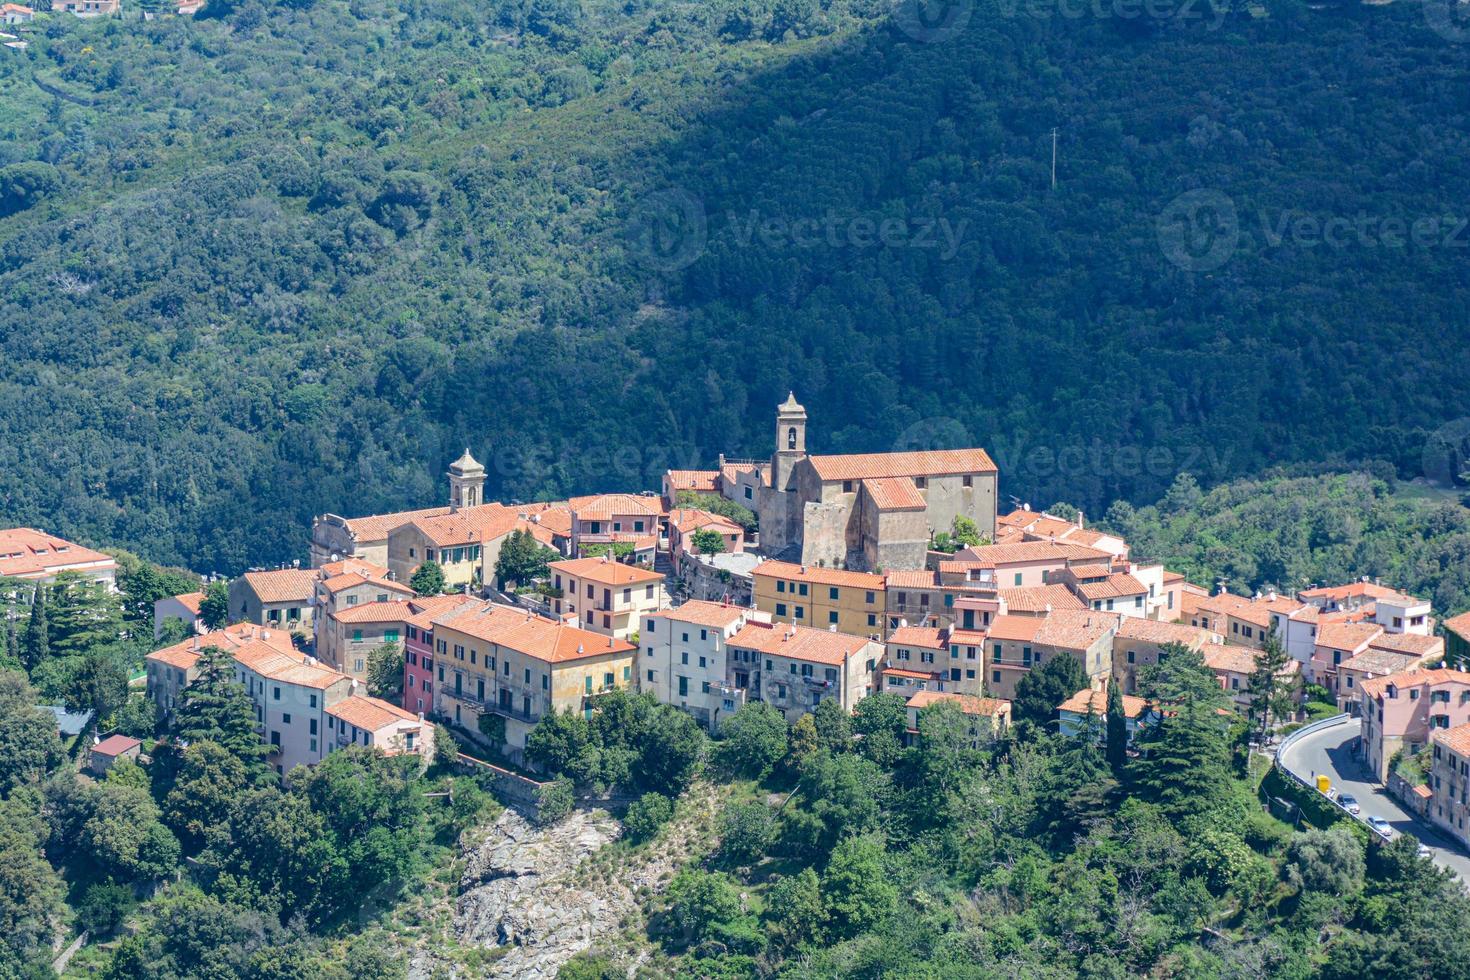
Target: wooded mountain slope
column 292, row 259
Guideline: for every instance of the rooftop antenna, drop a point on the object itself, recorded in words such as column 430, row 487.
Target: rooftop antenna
column 1053, row 158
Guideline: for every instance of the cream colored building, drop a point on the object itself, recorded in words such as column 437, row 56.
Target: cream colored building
column 280, row 599
column 1017, row 644
column 1137, row 643
column 505, row 662
column 683, row 658
column 173, row 668
column 988, row 717
column 794, row 668
column 606, row 596
column 35, row 556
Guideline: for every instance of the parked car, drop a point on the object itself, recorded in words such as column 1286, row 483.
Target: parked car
column 1349, row 802
column 1424, row 850
column 1380, row 826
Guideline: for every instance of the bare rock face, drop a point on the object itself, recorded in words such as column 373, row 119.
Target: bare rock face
column 519, row 890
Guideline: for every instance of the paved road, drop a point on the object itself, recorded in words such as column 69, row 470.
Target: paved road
column 1330, row 751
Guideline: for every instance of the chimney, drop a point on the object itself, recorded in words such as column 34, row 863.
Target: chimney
column 1081, row 519
column 579, row 648
column 265, row 634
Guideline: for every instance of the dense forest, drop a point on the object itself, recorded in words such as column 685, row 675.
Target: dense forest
column 291, row 257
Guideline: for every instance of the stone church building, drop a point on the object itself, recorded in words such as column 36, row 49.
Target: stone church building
column 867, row 511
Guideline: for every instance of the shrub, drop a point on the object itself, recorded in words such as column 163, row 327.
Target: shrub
column 647, row 815
column 104, row 908
column 554, row 801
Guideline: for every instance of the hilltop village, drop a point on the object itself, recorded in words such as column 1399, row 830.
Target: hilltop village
column 792, row 581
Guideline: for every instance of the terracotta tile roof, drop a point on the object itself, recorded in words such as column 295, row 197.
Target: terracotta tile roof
column 702, row 481
column 1381, row 662
column 701, row 613
column 1036, row 598
column 1097, row 699
column 472, row 525
column 730, row 472
column 867, row 466
column 347, row 580
column 547, row 640
column 185, row 655
column 26, row 552
column 1173, row 576
column 1240, row 660
column 967, row 703
column 1455, row 739
column 1459, row 625
column 190, row 601
column 798, row 642
column 1022, row 629
column 282, row 585
column 369, row 714
column 691, row 519
column 964, row 637
column 1154, row 631
column 393, row 611
column 427, row 607
column 347, row 565
column 1349, row 591
column 916, row 636
column 895, row 493
column 1408, row 643
column 921, row 675
column 819, row 575
column 1114, row 586
column 919, row 578
column 1415, row 678
column 1285, row 605
column 1347, row 636
column 603, row 505
column 556, row 518
column 990, row 555
column 605, row 572
column 377, row 527
column 1067, row 629
column 115, row 745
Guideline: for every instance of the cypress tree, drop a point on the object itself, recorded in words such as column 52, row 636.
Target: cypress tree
column 214, row 708
column 1117, row 737
column 37, row 645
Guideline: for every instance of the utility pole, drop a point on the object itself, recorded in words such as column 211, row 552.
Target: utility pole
column 1053, row 158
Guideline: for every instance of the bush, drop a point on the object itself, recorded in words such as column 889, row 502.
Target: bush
column 647, row 815
column 554, row 802
column 746, row 829
column 754, row 739
column 104, row 909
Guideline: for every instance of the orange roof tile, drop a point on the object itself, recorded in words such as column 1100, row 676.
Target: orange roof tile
column 185, row 655
column 1347, row 636
column 346, row 565
column 1022, row 629
column 1096, row 698
column 701, row 481
column 1459, row 625
column 602, row 505
column 377, row 527
column 470, row 526
column 369, row 714
column 917, row 636
column 798, row 642
column 864, row 466
column 548, row 640
column 26, row 552
column 895, row 493
column 821, row 576
column 1153, row 631
column 1415, row 678
column 1114, row 586
column 691, row 519
column 701, row 613
column 347, row 580
column 605, row 572
column 989, row 555
column 967, row 703
column 282, row 585
column 190, row 601
column 393, row 611
column 1408, row 643
column 425, row 608
column 918, row 578
column 1381, row 662
column 1351, row 590
column 1456, row 739
column 115, row 745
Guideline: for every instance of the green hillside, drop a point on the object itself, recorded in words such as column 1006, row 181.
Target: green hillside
column 292, row 258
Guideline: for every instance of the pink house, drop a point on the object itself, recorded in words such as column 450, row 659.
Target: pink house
column 1403, row 710
column 683, row 522
column 418, row 650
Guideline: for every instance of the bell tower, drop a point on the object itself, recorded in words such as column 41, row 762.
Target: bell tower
column 466, row 482
column 790, row 441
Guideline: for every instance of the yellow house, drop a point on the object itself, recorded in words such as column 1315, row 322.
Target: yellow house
column 514, row 666
column 853, row 602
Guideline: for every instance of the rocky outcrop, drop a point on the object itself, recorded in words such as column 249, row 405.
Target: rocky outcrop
column 519, row 889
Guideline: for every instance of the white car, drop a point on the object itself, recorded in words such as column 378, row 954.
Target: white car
column 1424, row 851
column 1380, row 826
column 1349, row 802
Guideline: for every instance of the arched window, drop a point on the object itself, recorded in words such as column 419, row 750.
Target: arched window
column 791, row 438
